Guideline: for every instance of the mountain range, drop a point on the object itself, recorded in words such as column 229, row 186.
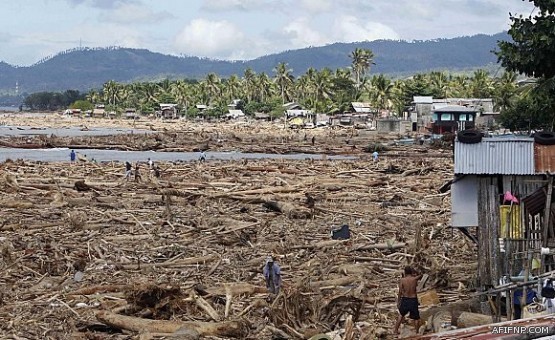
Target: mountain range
column 85, row 68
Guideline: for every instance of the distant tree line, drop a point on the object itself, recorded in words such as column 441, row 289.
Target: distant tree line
column 52, row 101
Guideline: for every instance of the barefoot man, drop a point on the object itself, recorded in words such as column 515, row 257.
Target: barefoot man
column 408, row 301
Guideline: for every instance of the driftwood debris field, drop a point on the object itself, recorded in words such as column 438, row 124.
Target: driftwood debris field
column 86, row 254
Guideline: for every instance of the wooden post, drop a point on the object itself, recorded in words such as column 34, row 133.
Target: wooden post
column 547, row 214
column 526, row 274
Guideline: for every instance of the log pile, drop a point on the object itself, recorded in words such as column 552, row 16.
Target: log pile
column 85, row 253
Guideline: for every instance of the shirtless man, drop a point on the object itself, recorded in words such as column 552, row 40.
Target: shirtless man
column 408, row 301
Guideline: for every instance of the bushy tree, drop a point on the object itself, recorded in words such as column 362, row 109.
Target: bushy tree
column 531, row 53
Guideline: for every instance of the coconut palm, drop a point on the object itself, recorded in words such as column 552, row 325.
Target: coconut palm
column 110, row 91
column 284, row 81
column 265, row 87
column 361, row 59
column 481, row 84
column 381, row 91
column 249, row 84
column 505, row 91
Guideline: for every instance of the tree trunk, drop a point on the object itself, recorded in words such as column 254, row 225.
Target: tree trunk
column 467, row 319
column 219, row 329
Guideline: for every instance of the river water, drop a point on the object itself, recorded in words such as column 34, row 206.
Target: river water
column 62, row 155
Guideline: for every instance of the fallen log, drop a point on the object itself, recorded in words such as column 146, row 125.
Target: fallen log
column 287, row 209
column 382, row 246
column 467, row 319
column 236, row 329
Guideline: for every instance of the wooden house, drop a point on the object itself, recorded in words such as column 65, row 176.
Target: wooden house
column 98, row 112
column 168, row 111
column 452, row 118
column 131, row 113
column 502, row 196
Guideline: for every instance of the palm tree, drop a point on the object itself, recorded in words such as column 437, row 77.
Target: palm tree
column 110, row 91
column 381, row 91
column 232, row 88
column 249, row 83
column 361, row 59
column 481, row 84
column 505, row 91
column 440, row 84
column 212, row 85
column 284, row 80
column 265, row 87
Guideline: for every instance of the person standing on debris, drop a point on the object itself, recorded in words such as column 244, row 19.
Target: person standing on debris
column 375, row 156
column 128, row 168
column 408, row 300
column 272, row 274
column 72, row 156
column 202, row 157
column 137, row 175
column 150, row 164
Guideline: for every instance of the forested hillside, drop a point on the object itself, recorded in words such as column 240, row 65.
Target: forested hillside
column 83, row 69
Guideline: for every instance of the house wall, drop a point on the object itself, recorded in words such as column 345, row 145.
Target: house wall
column 464, row 201
column 388, row 126
column 492, row 263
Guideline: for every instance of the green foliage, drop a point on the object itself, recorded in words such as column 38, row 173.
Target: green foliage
column 531, row 52
column 52, row 100
column 533, row 47
column 83, row 105
column 533, row 111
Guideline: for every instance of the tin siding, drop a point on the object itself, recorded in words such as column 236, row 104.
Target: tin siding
column 544, row 156
column 506, row 157
column 464, row 198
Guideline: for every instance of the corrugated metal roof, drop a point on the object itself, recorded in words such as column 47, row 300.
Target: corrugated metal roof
column 452, row 108
column 423, row 100
column 544, row 158
column 503, row 156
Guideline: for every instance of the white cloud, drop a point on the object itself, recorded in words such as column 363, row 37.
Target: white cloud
column 135, row 14
column 237, row 5
column 214, row 39
column 351, row 29
column 301, row 34
column 102, row 3
column 316, row 6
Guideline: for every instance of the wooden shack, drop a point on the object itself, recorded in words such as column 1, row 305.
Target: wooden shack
column 502, row 194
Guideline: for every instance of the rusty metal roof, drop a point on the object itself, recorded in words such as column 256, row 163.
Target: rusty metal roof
column 544, row 158
column 496, row 156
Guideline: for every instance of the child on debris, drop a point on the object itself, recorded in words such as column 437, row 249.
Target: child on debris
column 272, row 274
column 407, row 300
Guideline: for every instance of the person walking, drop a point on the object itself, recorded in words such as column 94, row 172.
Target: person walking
column 137, row 174
column 72, row 156
column 128, row 168
column 272, row 275
column 407, row 299
column 202, row 157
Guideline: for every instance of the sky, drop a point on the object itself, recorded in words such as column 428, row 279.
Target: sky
column 236, row 29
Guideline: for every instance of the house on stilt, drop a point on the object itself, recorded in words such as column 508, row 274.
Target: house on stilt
column 502, row 196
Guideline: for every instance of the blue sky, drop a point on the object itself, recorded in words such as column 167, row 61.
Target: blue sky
column 236, row 29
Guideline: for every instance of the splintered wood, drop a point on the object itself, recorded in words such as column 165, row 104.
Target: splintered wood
column 87, row 254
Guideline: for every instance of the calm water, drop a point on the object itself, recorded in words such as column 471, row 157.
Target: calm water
column 62, row 155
